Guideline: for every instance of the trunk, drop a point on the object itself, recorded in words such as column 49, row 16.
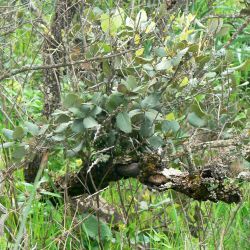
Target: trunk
column 53, row 53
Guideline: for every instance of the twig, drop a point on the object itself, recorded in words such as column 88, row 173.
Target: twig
column 225, row 16
column 60, row 65
column 234, row 36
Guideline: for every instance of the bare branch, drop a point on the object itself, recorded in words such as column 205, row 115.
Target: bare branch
column 61, row 65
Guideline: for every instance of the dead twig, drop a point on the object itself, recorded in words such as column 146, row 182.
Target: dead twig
column 61, row 65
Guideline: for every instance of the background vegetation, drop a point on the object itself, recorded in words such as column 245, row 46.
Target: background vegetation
column 150, row 75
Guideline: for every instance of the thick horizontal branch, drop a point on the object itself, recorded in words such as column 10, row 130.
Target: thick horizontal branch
column 211, row 183
column 208, row 184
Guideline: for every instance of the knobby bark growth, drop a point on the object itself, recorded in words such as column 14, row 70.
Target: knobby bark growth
column 211, row 183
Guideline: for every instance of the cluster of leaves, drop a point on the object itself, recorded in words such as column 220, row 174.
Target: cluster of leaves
column 147, row 97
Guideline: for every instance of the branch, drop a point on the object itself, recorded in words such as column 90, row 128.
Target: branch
column 60, row 65
column 225, row 16
column 217, row 144
column 208, row 184
column 234, row 36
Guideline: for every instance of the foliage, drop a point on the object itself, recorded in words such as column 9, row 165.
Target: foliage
column 146, row 80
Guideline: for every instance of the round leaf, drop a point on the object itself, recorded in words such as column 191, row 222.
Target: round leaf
column 71, row 100
column 32, row 128
column 195, row 121
column 7, row 133
column 156, row 141
column 62, row 127
column 18, row 133
column 19, row 152
column 123, row 122
column 89, row 122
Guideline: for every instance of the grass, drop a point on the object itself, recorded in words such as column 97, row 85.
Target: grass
column 155, row 221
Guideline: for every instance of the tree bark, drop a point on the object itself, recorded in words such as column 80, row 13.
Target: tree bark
column 53, row 52
column 208, row 184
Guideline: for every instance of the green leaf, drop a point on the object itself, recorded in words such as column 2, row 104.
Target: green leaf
column 7, row 144
column 62, row 127
column 108, row 24
column 240, row 116
column 184, row 82
column 160, row 52
column 168, row 126
column 177, row 59
column 196, row 108
column 71, row 100
column 105, row 47
column 170, row 117
column 44, row 192
column 147, row 128
column 106, row 69
column 96, row 111
column 136, row 116
column 86, row 108
column 156, row 141
column 141, row 18
column 202, row 60
column 214, row 25
column 32, row 128
column 195, row 121
column 7, row 133
column 163, row 65
column 98, row 98
column 151, row 101
column 148, row 67
column 153, row 115
column 19, row 152
column 74, row 151
column 91, row 226
column 43, row 129
column 77, row 126
column 118, row 17
column 105, row 20
column 77, row 112
column 131, row 82
column 58, row 138
column 18, row 133
column 62, row 118
column 144, row 60
column 122, row 88
column 123, row 122
column 115, row 100
column 89, row 122
column 135, row 112
column 194, row 48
